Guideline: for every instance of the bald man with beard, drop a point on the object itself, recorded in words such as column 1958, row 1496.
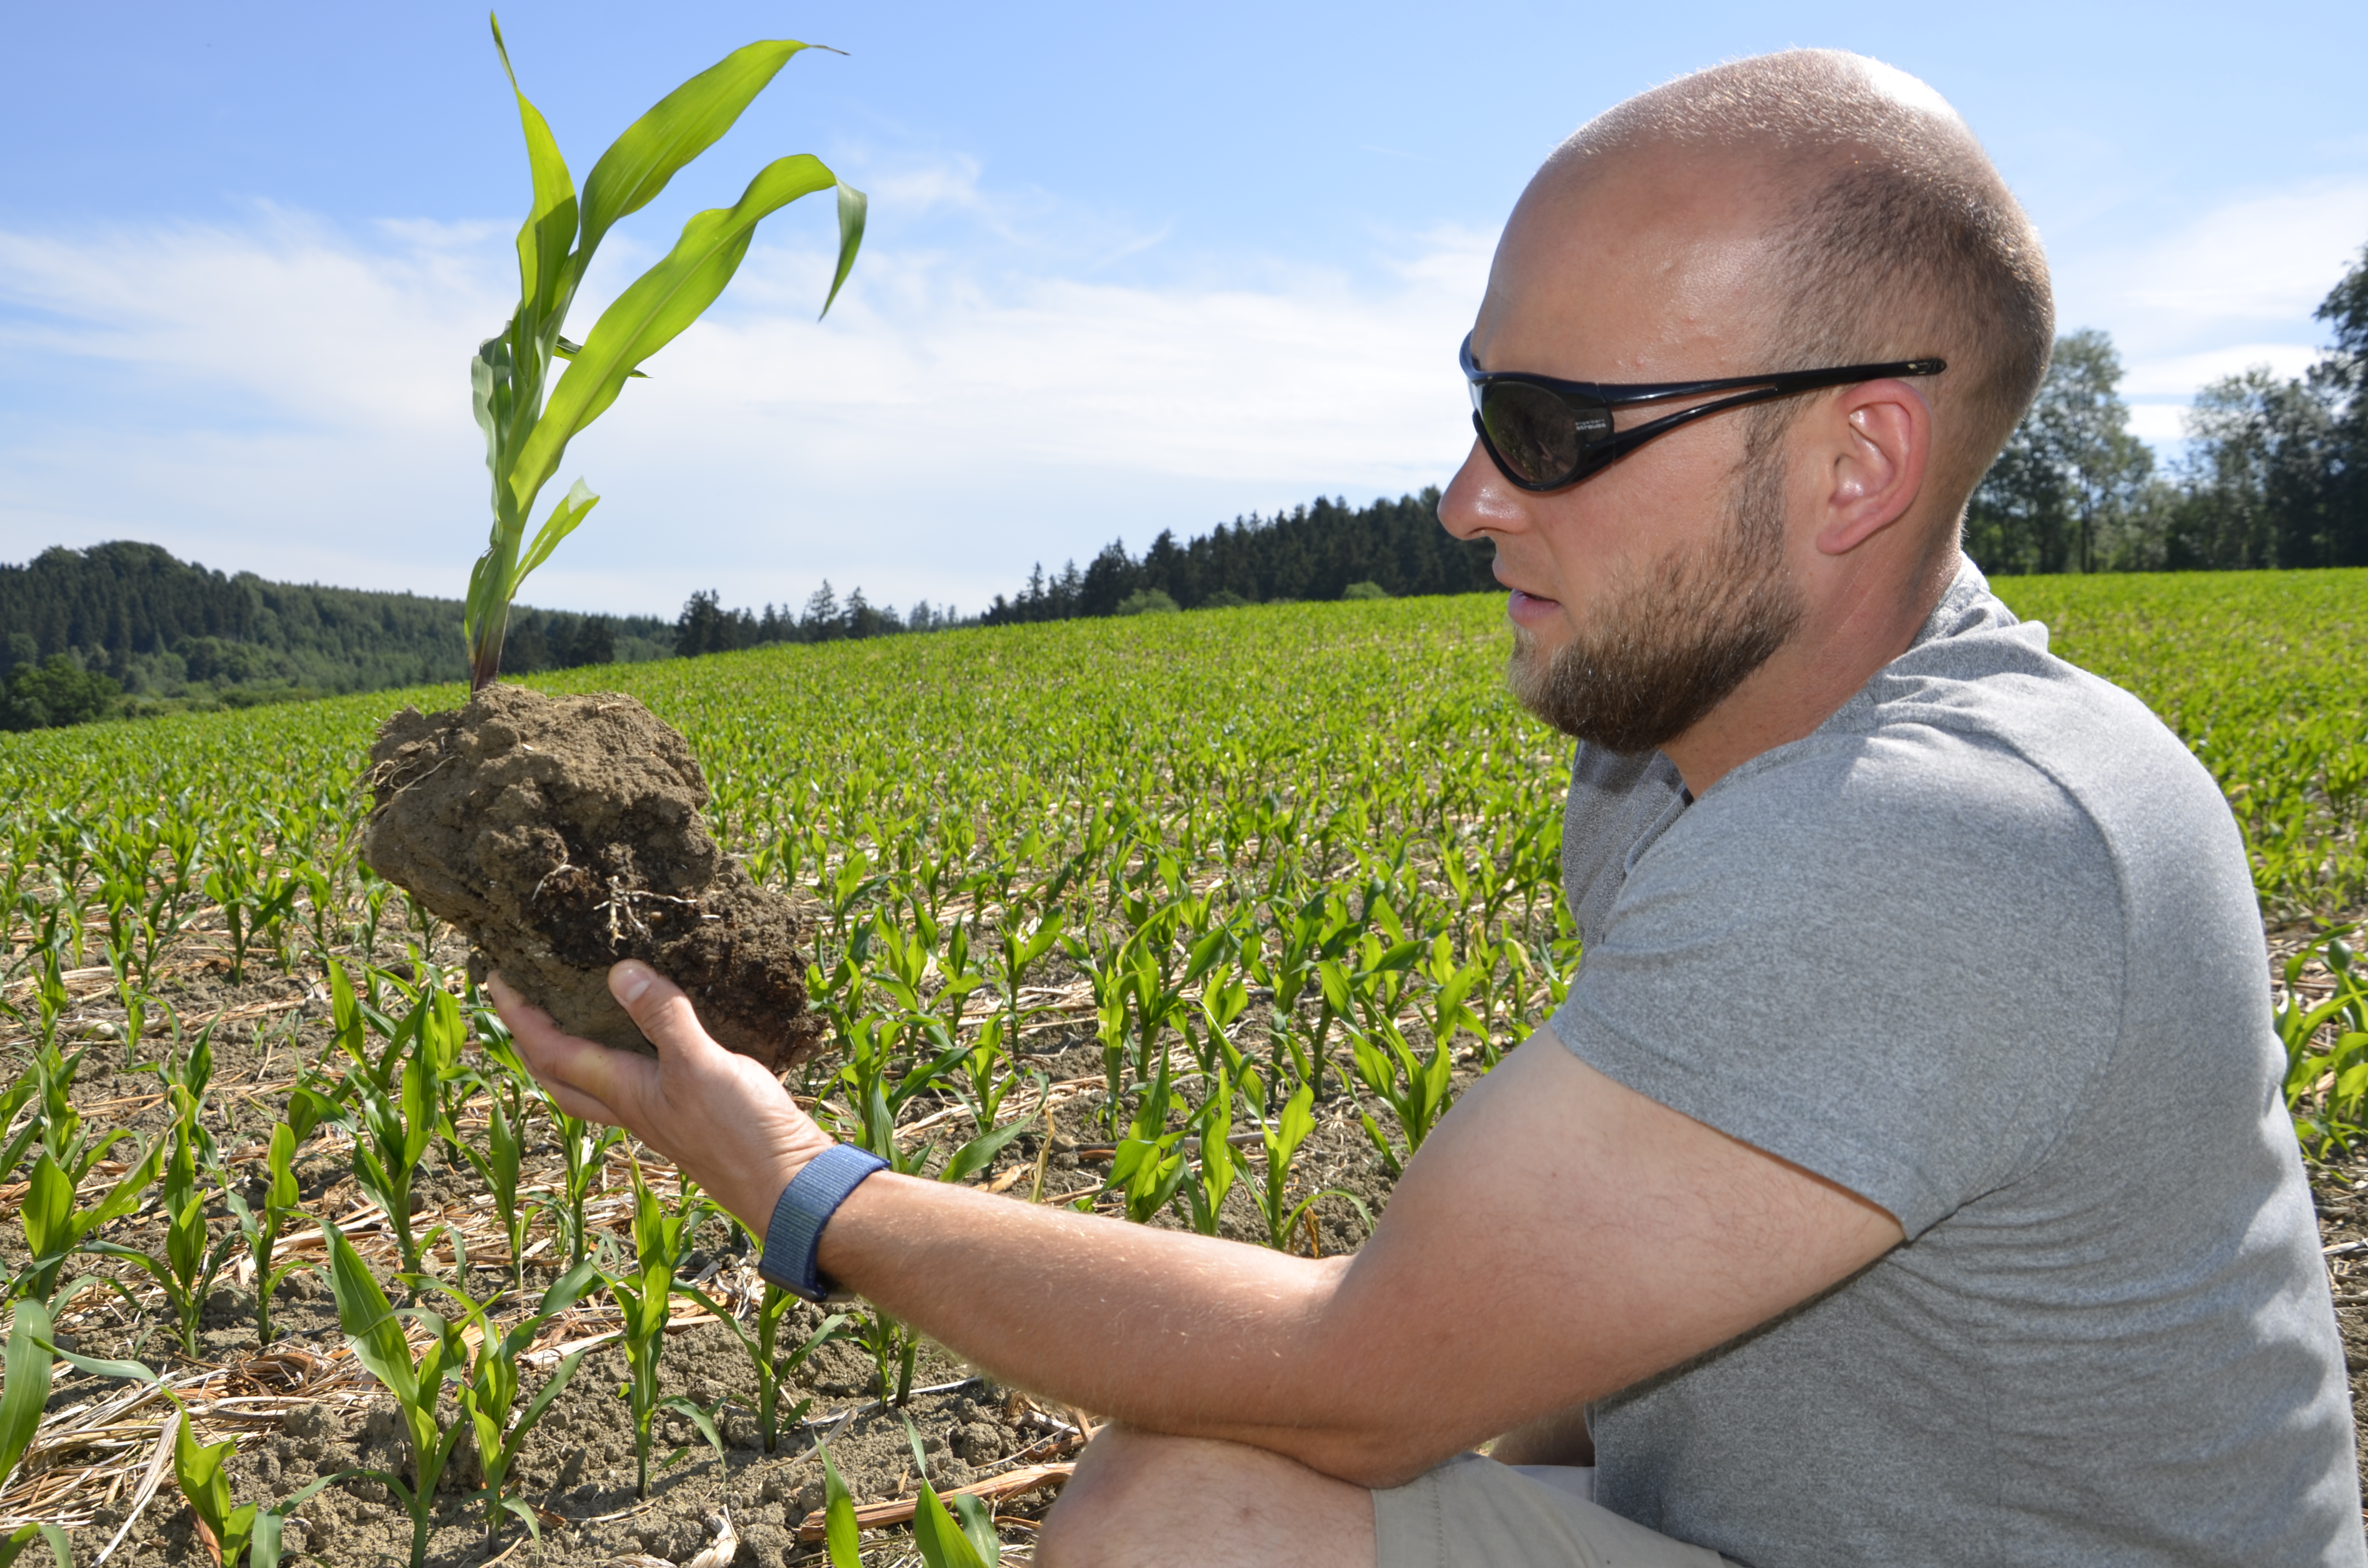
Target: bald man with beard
column 1906, row 1179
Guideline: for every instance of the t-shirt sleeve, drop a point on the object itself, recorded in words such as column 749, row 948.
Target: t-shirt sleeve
column 1883, row 960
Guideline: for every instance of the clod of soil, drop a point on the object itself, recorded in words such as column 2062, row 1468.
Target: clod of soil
column 561, row 835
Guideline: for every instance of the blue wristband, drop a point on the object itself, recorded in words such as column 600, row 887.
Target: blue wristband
column 804, row 1207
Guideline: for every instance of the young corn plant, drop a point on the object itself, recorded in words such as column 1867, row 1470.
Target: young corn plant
column 193, row 1260
column 56, row 1229
column 660, row 1241
column 1414, row 1087
column 498, row 1164
column 375, row 1332
column 307, row 1107
column 237, row 1534
column 489, row 1397
column 584, row 1155
column 527, row 437
column 1282, row 1139
column 401, row 1111
column 240, row 1535
column 763, row 1348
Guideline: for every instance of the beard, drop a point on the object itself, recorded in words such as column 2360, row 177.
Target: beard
column 1663, row 656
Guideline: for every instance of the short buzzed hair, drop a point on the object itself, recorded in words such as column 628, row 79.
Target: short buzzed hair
column 1898, row 238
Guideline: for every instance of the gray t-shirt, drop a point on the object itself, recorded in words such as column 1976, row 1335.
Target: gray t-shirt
column 1984, row 949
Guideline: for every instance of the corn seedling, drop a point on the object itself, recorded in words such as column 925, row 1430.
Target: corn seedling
column 1413, row 1087
column 498, row 1164
column 583, row 1157
column 490, row 1394
column 401, row 1115
column 2327, row 1084
column 237, row 1535
column 525, row 437
column 193, row 1259
column 56, row 1229
column 307, row 1108
column 660, row 1240
column 374, row 1331
column 1282, row 1139
column 763, row 1352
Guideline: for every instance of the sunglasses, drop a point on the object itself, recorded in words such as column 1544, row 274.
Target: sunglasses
column 1545, row 433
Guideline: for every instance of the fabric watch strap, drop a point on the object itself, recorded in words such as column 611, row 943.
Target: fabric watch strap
column 804, row 1207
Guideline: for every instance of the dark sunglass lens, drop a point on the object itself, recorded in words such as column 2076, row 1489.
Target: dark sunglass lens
column 1534, row 432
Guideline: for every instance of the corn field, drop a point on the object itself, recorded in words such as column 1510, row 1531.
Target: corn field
column 1199, row 920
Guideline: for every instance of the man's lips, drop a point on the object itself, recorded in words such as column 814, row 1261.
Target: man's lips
column 1524, row 607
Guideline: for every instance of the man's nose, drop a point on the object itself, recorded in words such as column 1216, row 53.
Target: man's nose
column 1478, row 501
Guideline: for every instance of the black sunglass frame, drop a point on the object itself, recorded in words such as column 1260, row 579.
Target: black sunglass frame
column 1583, row 398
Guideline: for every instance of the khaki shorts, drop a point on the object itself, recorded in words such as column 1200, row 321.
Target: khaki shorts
column 1472, row 1511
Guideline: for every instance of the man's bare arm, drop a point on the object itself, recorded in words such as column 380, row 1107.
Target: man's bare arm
column 1558, row 1237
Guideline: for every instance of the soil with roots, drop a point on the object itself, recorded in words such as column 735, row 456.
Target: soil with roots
column 562, row 833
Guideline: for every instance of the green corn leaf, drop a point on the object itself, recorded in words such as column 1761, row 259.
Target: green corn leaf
column 978, row 1523
column 27, row 1385
column 369, row 1322
column 134, row 1372
column 419, row 1109
column 550, row 228
column 47, row 1210
column 658, row 305
column 263, row 1542
column 942, row 1540
column 703, row 1419
column 676, row 130
column 61, row 1549
column 282, row 1165
column 540, row 1403
column 853, row 207
column 840, row 1533
column 980, row 1151
column 572, row 508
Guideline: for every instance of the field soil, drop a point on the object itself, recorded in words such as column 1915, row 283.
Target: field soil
column 562, row 833
column 302, row 1408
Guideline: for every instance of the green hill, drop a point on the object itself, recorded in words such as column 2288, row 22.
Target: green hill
column 172, row 633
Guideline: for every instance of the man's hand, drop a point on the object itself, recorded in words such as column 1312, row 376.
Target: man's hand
column 723, row 1119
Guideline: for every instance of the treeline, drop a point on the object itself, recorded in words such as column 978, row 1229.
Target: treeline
column 167, row 633
column 1316, row 551
column 2275, row 473
column 706, row 627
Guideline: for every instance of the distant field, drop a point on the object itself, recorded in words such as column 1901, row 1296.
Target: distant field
column 1198, row 919
column 2264, row 674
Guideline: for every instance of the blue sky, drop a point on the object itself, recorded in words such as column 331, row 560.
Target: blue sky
column 1129, row 267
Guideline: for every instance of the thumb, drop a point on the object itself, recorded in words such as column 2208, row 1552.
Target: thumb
column 658, row 1005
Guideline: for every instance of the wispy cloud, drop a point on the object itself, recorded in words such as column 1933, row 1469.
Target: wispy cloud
column 2231, row 288
column 290, row 398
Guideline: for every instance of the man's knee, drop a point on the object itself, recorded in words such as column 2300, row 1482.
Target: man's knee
column 1147, row 1498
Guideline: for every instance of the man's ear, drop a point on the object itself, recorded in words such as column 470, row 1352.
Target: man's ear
column 1881, row 435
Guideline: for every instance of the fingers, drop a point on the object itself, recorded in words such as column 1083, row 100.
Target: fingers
column 589, row 1081
column 664, row 1013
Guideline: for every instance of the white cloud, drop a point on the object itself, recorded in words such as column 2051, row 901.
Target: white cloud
column 2231, row 288
column 291, row 399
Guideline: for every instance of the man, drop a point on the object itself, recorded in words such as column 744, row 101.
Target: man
column 1905, row 1179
